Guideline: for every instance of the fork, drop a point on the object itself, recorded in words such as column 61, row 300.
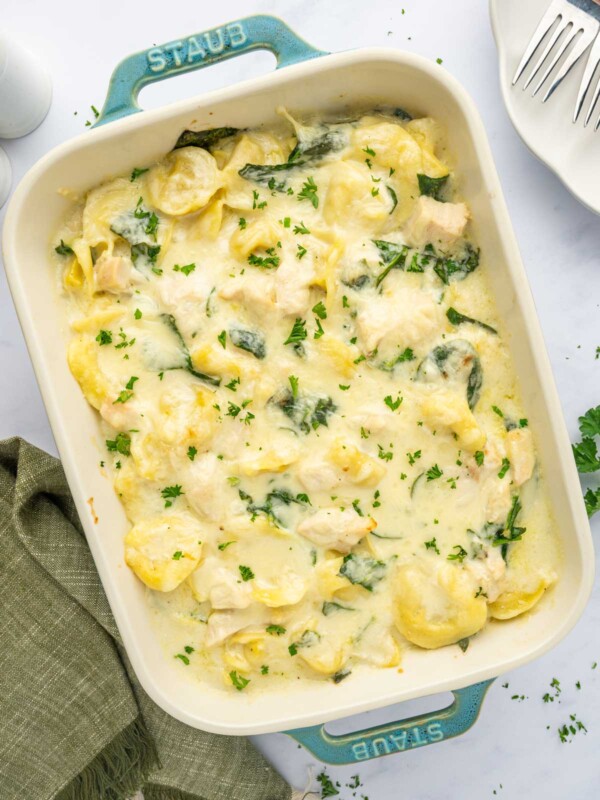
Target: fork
column 564, row 20
column 586, row 81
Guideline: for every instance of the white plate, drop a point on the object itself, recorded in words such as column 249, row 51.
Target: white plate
column 569, row 149
column 364, row 78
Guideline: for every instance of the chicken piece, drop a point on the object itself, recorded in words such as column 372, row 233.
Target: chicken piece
column 405, row 318
column 292, row 286
column 222, row 624
column 519, row 448
column 436, row 223
column 257, row 289
column 488, row 572
column 203, row 482
column 186, row 297
column 336, row 529
column 496, row 498
column 113, row 273
column 316, row 474
column 164, row 550
column 214, row 582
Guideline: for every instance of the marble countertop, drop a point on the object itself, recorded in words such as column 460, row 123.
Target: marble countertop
column 514, row 749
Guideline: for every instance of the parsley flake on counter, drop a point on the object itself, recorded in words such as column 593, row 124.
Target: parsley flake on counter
column 327, row 787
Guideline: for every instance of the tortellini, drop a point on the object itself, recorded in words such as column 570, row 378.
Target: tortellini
column 164, row 550
column 184, row 181
column 437, row 606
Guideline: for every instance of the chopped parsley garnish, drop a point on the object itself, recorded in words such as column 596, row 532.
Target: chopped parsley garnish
column 225, row 545
column 301, row 252
column 169, row 493
column 186, row 269
column 300, row 228
column 233, row 384
column 479, row 457
column 320, row 310
column 123, row 396
column 120, row 444
column 385, row 455
column 344, row 388
column 177, row 555
column 275, row 630
column 412, row 457
column 327, row 787
column 459, row 555
column 504, row 468
column 64, row 249
column 183, row 658
column 192, row 452
column 239, row 681
column 432, row 545
column 298, row 332
column 357, row 508
column 394, row 405
column 496, row 410
column 264, row 670
column 104, row 337
column 246, row 573
column 434, row 472
column 294, row 385
column 242, row 223
column 270, row 261
column 222, row 338
column 137, row 314
column 136, row 172
column 319, row 331
column 309, row 192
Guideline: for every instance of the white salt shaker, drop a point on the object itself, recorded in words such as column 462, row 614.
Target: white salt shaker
column 25, row 89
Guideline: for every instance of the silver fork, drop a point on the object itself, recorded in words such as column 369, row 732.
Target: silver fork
column 568, row 22
column 586, row 81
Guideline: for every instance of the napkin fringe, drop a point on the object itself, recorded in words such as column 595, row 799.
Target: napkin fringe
column 119, row 770
column 153, row 791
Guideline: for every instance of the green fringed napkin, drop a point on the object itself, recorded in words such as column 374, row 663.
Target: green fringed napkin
column 74, row 722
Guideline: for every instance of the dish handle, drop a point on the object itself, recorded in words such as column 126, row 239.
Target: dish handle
column 259, row 32
column 396, row 737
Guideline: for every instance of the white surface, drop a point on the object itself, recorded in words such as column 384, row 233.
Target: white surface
column 559, row 240
column 571, row 150
column 25, row 88
column 357, row 78
column 5, row 177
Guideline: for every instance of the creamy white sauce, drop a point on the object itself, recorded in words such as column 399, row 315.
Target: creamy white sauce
column 337, row 498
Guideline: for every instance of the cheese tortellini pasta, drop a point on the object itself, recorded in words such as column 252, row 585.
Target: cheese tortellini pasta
column 308, row 408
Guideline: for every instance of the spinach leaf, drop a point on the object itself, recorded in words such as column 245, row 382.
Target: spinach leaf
column 267, row 174
column 456, row 318
column 401, row 114
column 307, row 412
column 456, row 360
column 251, row 341
column 358, row 283
column 393, row 256
column 171, row 323
column 204, row 139
column 330, row 607
column 447, row 268
column 363, row 570
column 511, row 532
column 432, row 187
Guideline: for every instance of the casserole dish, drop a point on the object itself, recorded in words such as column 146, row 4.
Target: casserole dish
column 319, row 84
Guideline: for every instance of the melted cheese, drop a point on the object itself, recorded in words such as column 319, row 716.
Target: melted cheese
column 321, row 466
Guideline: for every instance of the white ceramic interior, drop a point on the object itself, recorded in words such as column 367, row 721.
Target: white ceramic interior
column 365, row 78
column 569, row 149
